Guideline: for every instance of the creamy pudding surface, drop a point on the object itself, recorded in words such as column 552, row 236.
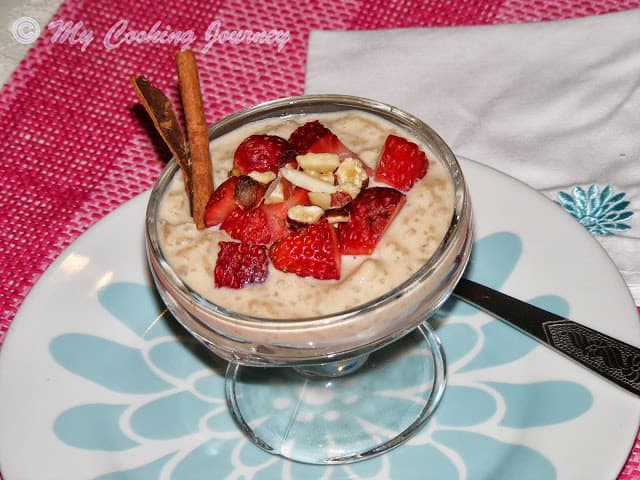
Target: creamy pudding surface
column 411, row 239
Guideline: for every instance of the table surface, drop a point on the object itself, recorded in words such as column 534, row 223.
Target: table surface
column 75, row 147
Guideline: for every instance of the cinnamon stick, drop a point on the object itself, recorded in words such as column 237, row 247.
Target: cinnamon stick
column 163, row 116
column 201, row 168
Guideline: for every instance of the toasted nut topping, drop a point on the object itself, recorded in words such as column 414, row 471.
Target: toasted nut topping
column 248, row 193
column 320, row 199
column 351, row 170
column 263, row 177
column 350, row 188
column 318, row 162
column 307, row 214
column 339, row 215
column 328, row 177
column 306, row 181
column 340, row 199
column 275, row 192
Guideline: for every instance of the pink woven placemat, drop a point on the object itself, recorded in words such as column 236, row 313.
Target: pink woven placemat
column 75, row 147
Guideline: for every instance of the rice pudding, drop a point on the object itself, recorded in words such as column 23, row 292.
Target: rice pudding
column 410, row 240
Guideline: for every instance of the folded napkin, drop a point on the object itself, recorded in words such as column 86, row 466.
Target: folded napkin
column 554, row 104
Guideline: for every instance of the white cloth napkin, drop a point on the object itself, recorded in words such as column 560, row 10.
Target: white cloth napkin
column 554, row 104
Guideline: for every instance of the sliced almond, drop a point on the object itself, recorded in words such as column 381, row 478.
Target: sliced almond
column 328, row 177
column 262, row 177
column 318, row 162
column 275, row 192
column 307, row 214
column 306, row 181
column 351, row 170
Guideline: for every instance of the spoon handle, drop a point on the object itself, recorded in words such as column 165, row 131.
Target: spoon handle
column 613, row 359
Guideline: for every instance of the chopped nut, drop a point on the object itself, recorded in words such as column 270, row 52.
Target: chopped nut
column 248, row 193
column 275, row 192
column 340, row 199
column 318, row 162
column 328, row 177
column 351, row 170
column 262, row 177
column 306, row 181
column 351, row 188
column 320, row 199
column 306, row 214
column 338, row 215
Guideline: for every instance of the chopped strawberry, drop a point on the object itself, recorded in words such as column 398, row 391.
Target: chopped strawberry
column 262, row 153
column 313, row 137
column 329, row 143
column 265, row 223
column 248, row 226
column 371, row 212
column 221, row 203
column 277, row 212
column 289, row 188
column 311, row 251
column 276, row 220
column 306, row 135
column 401, row 163
column 240, row 264
column 298, row 196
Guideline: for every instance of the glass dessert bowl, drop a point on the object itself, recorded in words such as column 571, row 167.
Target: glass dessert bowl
column 328, row 366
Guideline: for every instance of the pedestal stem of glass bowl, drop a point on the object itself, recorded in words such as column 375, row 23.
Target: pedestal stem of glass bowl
column 341, row 412
column 333, row 369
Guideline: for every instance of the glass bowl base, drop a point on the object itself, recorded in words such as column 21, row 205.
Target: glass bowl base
column 333, row 419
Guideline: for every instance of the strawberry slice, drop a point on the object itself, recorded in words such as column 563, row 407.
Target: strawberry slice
column 371, row 213
column 306, row 135
column 240, row 264
column 262, row 153
column 221, row 203
column 248, row 226
column 311, row 251
column 277, row 212
column 263, row 224
column 314, row 137
column 401, row 163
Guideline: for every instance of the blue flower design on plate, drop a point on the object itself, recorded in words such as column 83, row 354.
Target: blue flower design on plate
column 170, row 397
column 600, row 212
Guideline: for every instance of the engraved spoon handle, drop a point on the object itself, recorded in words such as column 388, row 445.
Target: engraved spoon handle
column 613, row 359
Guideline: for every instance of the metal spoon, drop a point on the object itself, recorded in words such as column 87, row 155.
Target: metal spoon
column 609, row 357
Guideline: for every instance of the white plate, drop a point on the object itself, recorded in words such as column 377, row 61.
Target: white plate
column 95, row 381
